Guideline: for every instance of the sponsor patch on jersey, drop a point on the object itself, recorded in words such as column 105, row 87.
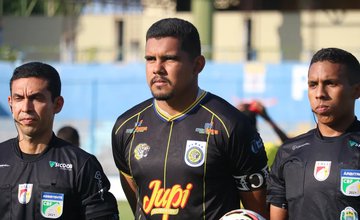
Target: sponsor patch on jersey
column 207, row 129
column 166, row 201
column 98, row 178
column 349, row 214
column 51, row 204
column 24, row 192
column 4, row 165
column 256, row 145
column 322, row 170
column 62, row 166
column 350, row 182
column 141, row 151
column 137, row 128
column 353, row 144
column 195, row 153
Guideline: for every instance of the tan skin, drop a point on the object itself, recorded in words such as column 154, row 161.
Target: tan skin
column 33, row 112
column 332, row 99
column 173, row 80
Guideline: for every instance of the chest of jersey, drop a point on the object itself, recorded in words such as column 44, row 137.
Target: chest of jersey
column 44, row 186
column 324, row 175
column 176, row 148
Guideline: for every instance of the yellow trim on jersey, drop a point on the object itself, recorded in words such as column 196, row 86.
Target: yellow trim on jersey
column 125, row 174
column 205, row 166
column 137, row 114
column 133, row 137
column 167, row 152
column 227, row 132
column 180, row 114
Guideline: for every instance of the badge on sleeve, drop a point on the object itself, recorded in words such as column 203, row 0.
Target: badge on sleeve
column 350, row 182
column 195, row 153
column 51, row 204
column 349, row 214
column 24, row 192
column 322, row 170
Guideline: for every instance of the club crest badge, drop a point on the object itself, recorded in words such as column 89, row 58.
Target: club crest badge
column 141, row 151
column 349, row 214
column 322, row 170
column 24, row 193
column 51, row 204
column 195, row 153
column 350, row 182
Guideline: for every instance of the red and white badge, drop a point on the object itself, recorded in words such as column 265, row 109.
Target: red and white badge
column 322, row 170
column 24, row 192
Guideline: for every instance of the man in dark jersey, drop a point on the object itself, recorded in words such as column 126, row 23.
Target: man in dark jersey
column 42, row 176
column 317, row 174
column 186, row 153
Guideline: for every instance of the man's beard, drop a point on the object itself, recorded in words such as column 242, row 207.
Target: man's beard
column 162, row 96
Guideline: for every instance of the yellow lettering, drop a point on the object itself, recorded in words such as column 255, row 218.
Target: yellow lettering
column 166, row 201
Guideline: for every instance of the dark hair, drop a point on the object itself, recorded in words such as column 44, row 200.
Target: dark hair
column 336, row 55
column 183, row 30
column 69, row 134
column 39, row 70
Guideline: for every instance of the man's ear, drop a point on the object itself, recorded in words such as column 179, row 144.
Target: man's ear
column 58, row 104
column 199, row 64
column 10, row 103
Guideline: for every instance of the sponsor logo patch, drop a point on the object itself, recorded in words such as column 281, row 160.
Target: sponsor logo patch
column 349, row 214
column 62, row 166
column 137, row 128
column 256, row 145
column 353, row 144
column 208, row 129
column 350, row 182
column 166, row 201
column 322, row 170
column 51, row 204
column 4, row 165
column 195, row 153
column 24, row 192
column 141, row 151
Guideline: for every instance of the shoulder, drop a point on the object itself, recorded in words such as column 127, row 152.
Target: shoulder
column 7, row 143
column 299, row 143
column 137, row 109
column 6, row 146
column 65, row 150
column 223, row 110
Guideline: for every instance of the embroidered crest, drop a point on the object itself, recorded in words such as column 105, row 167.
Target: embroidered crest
column 349, row 214
column 141, row 151
column 195, row 153
column 322, row 170
column 24, row 192
column 51, row 204
column 350, row 182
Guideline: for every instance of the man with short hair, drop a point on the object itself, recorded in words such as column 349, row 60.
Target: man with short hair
column 42, row 176
column 317, row 174
column 186, row 153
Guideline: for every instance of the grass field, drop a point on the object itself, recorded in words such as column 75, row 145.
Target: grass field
column 125, row 211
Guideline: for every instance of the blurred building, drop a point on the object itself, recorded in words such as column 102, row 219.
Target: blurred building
column 236, row 30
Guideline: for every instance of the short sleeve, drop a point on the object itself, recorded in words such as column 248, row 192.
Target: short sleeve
column 248, row 158
column 93, row 187
column 118, row 149
column 276, row 184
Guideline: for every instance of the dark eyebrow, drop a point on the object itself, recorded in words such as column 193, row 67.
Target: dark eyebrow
column 32, row 96
column 148, row 57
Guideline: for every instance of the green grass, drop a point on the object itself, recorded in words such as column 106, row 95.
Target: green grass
column 125, row 211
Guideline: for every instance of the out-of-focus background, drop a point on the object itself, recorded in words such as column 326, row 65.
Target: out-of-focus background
column 255, row 49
